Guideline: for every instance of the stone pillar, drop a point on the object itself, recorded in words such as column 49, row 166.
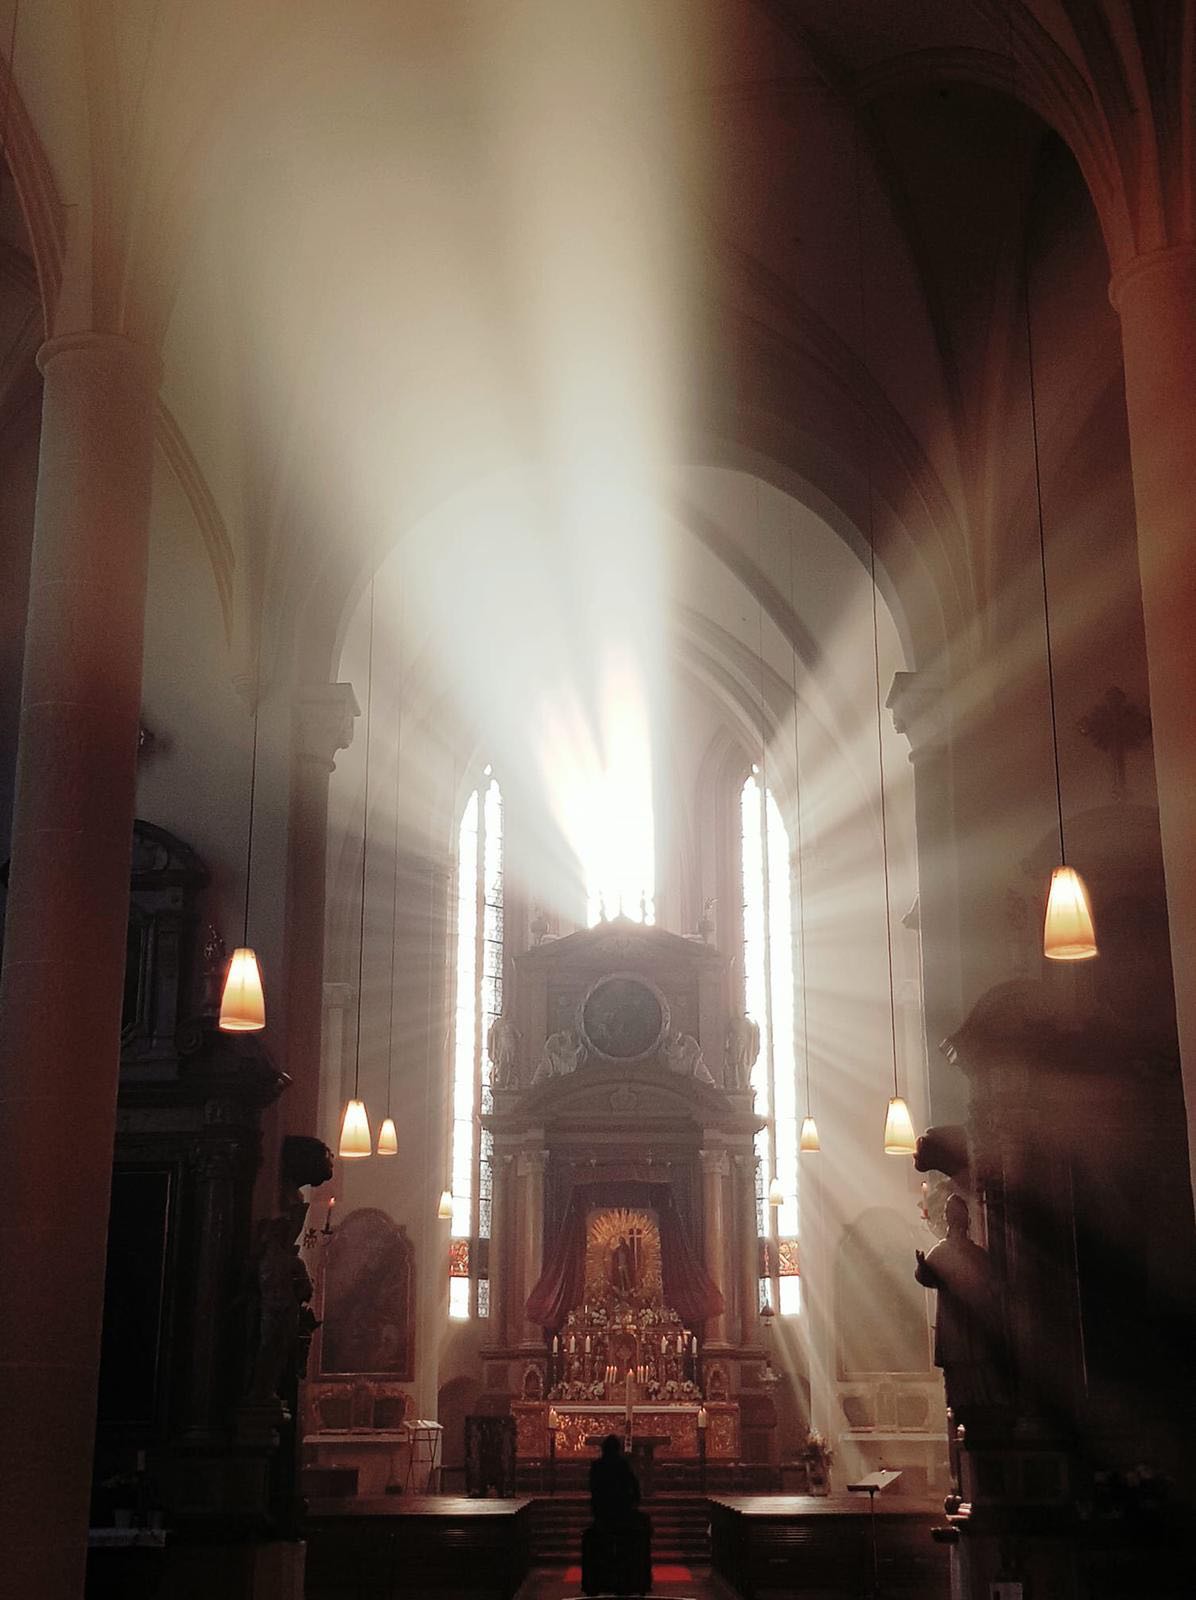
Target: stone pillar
column 532, row 1166
column 64, row 948
column 715, row 1168
column 323, row 724
column 744, row 1232
column 337, row 999
column 500, row 1257
column 1156, row 298
column 916, row 703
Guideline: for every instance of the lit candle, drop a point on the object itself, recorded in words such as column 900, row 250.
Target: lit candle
column 556, row 1345
column 572, row 1344
column 587, row 1344
column 664, row 1343
column 693, row 1344
column 703, row 1419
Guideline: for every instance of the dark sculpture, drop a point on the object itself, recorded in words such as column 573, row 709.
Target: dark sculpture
column 285, row 1321
column 305, row 1161
column 968, row 1336
column 943, row 1150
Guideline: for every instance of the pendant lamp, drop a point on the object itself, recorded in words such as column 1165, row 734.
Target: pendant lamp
column 808, row 1141
column 776, row 1195
column 444, row 1210
column 1068, row 932
column 899, row 1129
column 388, row 1138
column 243, row 1000
column 355, row 1141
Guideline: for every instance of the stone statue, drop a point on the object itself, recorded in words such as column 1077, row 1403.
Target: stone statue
column 285, row 1322
column 682, row 1054
column 562, row 1055
column 943, row 1149
column 305, row 1161
column 968, row 1335
column 742, row 1051
column 502, row 1043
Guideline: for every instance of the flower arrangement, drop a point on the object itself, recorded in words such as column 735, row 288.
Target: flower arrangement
column 673, row 1390
column 576, row 1389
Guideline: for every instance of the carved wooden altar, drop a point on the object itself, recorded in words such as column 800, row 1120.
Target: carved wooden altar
column 614, row 1121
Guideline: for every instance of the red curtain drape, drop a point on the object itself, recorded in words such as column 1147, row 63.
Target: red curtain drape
column 563, row 1280
column 688, row 1287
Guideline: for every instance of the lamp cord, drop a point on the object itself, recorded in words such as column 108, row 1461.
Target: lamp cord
column 365, row 835
column 252, row 798
column 1046, row 604
column 880, row 757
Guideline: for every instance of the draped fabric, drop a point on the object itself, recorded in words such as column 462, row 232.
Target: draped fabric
column 688, row 1287
column 562, row 1283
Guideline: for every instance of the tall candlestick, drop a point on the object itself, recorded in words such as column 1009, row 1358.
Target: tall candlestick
column 587, row 1344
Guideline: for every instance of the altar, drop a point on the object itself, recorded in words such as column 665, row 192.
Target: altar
column 623, row 1259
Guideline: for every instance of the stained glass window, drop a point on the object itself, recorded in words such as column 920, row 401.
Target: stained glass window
column 768, row 974
column 478, row 996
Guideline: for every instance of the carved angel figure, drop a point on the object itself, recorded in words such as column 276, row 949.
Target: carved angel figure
column 742, row 1051
column 562, row 1055
column 682, row 1054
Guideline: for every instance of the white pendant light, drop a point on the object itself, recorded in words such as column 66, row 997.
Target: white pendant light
column 242, row 1000
column 808, row 1141
column 388, row 1138
column 900, row 1139
column 776, row 1195
column 444, row 1210
column 355, row 1132
column 1068, row 932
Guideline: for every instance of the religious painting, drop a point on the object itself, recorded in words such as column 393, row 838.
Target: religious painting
column 369, row 1299
column 623, row 1018
column 622, row 1257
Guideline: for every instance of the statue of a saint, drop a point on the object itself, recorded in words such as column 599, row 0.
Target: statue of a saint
column 968, row 1334
column 284, row 1290
column 502, row 1043
column 682, row 1054
column 742, row 1051
column 562, row 1054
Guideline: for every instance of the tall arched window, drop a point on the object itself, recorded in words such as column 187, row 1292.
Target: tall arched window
column 769, row 999
column 477, row 1000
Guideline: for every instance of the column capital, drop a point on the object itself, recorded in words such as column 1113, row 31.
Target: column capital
column 715, row 1163
column 324, row 717
column 533, row 1162
column 917, row 703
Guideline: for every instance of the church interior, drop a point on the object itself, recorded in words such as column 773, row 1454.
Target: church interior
column 598, row 797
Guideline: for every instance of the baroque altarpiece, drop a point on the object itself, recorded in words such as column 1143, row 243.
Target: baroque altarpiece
column 623, row 1259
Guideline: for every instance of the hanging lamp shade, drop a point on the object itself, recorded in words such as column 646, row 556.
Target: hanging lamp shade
column 1068, row 933
column 899, row 1129
column 355, row 1131
column 445, row 1209
column 388, row 1138
column 243, row 1000
column 776, row 1195
column 808, row 1141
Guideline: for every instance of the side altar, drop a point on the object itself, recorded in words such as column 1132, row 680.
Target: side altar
column 623, row 1257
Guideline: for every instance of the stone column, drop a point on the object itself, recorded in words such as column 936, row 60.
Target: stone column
column 532, row 1166
column 744, row 1231
column 715, row 1168
column 916, row 703
column 337, row 999
column 1156, row 298
column 500, row 1255
column 323, row 724
column 64, row 948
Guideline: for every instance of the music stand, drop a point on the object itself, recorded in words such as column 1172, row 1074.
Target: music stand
column 871, row 1484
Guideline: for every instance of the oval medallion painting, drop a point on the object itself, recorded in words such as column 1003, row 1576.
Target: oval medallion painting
column 623, row 1018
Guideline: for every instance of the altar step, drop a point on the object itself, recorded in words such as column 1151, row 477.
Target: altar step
column 680, row 1528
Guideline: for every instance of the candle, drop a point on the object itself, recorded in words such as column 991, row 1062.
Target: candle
column 572, row 1344
column 556, row 1345
column 703, row 1419
column 587, row 1344
column 693, row 1344
column 664, row 1343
